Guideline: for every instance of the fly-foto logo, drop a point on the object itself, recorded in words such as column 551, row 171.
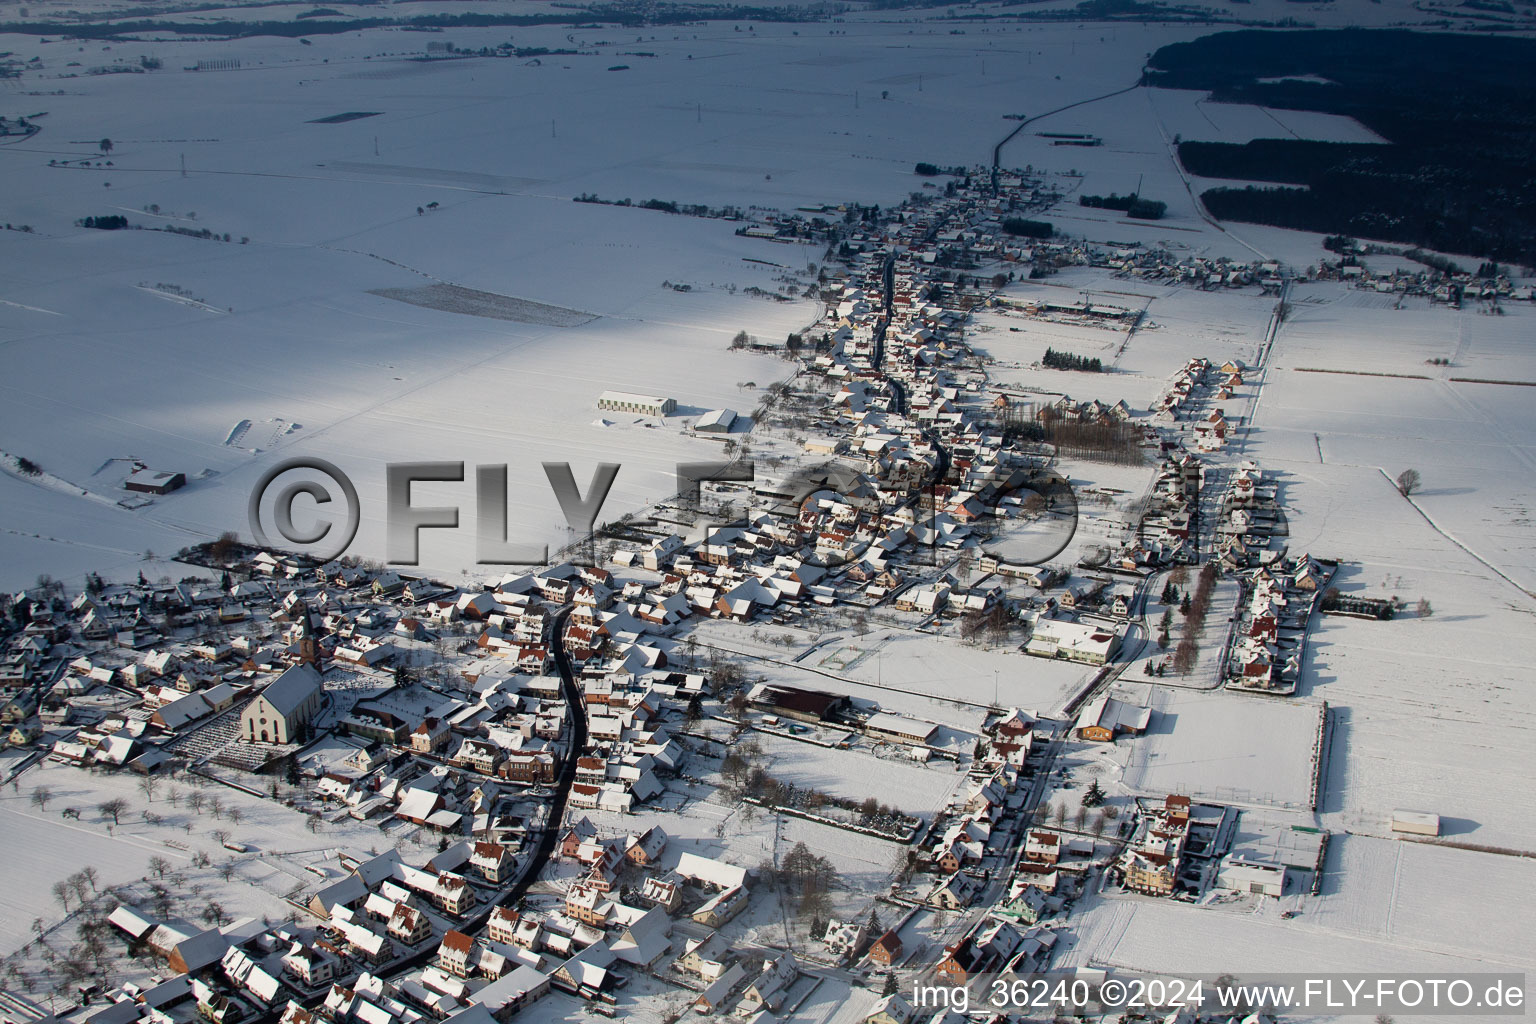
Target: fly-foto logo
column 280, row 487
column 837, row 509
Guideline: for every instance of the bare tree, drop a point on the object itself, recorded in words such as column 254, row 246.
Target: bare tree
column 235, row 815
column 90, row 875
column 1408, row 481
column 221, row 834
column 149, row 785
column 113, row 809
column 40, row 797
column 196, row 801
column 1425, row 611
column 62, row 891
column 159, row 866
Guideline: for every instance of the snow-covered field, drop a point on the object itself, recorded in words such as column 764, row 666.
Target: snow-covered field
column 44, row 847
column 857, row 775
column 189, row 340
column 1223, row 746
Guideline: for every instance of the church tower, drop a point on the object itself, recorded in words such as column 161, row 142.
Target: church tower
column 309, row 643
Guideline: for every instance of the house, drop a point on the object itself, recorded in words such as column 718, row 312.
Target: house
column 285, row 708
column 511, row 992
column 490, row 861
column 1151, row 871
column 892, row 1009
column 409, row 925
column 979, row 952
column 1105, row 717
column 724, row 906
column 956, row 892
column 844, row 938
column 453, row 955
column 502, row 925
column 646, row 847
column 706, row 958
column 1043, row 847
column 586, row 973
column 662, row 892
column 714, row 998
column 310, row 965
column 886, row 950
column 1027, row 904
column 430, row 736
column 644, row 940
column 769, row 989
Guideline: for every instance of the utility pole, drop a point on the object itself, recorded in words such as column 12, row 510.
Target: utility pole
column 375, row 145
column 183, row 165
column 552, row 129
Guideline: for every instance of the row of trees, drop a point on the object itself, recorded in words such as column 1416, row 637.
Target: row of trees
column 1132, row 205
column 1071, row 361
column 1194, row 609
column 1028, row 228
column 1108, row 441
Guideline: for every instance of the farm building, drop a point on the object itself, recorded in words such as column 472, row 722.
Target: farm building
column 645, row 405
column 793, row 702
column 720, row 421
column 900, row 728
column 153, row 481
column 1419, row 823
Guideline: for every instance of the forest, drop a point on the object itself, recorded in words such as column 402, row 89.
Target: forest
column 1456, row 111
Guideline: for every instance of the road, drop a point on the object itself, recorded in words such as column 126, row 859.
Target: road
column 562, row 794
column 997, row 150
column 540, row 858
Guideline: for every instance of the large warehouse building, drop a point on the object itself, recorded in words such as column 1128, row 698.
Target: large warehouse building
column 645, row 405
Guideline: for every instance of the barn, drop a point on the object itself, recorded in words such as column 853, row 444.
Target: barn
column 153, row 481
